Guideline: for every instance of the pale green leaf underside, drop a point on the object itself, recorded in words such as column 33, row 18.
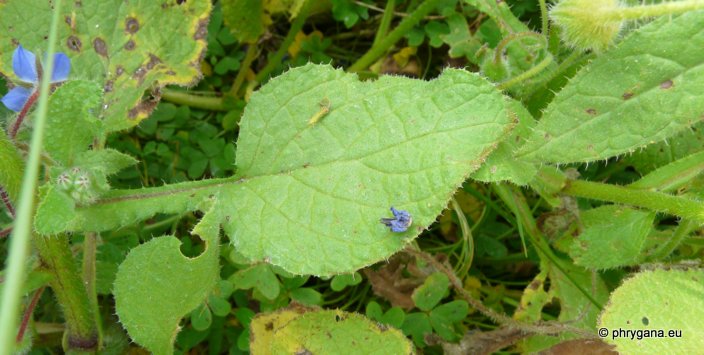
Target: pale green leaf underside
column 648, row 88
column 125, row 46
column 156, row 285
column 613, row 236
column 323, row 331
column 314, row 194
column 309, row 197
column 659, row 299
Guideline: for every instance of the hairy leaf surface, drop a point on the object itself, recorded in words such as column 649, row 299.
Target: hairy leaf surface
column 156, row 285
column 314, row 193
column 72, row 124
column 647, row 89
column 676, row 147
column 657, row 300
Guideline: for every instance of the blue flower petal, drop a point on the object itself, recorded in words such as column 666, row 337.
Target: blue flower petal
column 398, row 227
column 24, row 63
column 16, row 98
column 62, row 66
column 401, row 221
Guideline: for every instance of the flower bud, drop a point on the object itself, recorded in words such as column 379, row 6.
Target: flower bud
column 63, row 181
column 587, row 24
column 78, row 184
column 82, row 182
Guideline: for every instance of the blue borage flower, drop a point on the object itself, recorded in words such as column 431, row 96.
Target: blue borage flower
column 24, row 64
column 401, row 221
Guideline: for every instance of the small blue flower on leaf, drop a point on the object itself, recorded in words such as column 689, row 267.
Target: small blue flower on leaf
column 401, row 221
column 24, row 64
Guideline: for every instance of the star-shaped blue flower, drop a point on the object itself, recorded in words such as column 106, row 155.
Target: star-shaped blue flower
column 401, row 221
column 24, row 64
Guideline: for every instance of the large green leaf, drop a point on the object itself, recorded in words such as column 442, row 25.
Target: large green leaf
column 156, row 285
column 125, row 46
column 309, row 331
column 648, row 88
column 313, row 195
column 308, row 197
column 647, row 307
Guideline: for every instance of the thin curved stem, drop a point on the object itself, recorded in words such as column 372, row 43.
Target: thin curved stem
column 249, row 57
column 500, row 47
column 6, row 200
column 211, row 103
column 19, row 243
column 682, row 231
column 468, row 240
column 28, row 313
column 544, row 18
column 526, row 74
column 385, row 21
column 514, row 198
column 23, row 114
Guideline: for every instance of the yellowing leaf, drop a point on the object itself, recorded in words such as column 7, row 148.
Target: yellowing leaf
column 126, row 47
column 300, row 330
